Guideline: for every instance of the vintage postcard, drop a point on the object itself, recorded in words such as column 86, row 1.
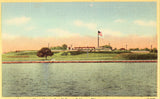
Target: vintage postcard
column 77, row 49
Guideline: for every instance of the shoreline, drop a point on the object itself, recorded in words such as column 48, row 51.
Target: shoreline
column 103, row 61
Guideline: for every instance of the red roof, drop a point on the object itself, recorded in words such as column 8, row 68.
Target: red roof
column 122, row 49
column 84, row 47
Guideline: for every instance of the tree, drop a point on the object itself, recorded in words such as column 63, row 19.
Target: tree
column 146, row 49
column 115, row 48
column 44, row 52
column 64, row 46
column 136, row 49
column 154, row 50
column 107, row 46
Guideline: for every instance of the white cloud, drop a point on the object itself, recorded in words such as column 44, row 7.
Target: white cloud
column 91, row 26
column 145, row 23
column 18, row 20
column 119, row 20
column 61, row 33
column 104, row 31
column 111, row 32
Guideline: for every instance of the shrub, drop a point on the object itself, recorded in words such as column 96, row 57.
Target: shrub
column 111, row 52
column 139, row 56
column 44, row 52
column 154, row 50
column 64, row 53
column 76, row 52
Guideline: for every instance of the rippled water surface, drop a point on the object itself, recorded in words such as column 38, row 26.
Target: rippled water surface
column 79, row 79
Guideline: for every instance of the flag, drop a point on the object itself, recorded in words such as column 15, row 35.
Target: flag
column 100, row 33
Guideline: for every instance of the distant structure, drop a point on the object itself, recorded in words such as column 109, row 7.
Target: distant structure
column 99, row 34
column 122, row 49
column 105, row 49
column 83, row 48
column 70, row 48
column 126, row 46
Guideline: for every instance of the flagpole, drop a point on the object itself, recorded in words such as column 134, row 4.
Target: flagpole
column 98, row 40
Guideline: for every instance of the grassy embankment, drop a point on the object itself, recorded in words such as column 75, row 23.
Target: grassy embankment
column 72, row 55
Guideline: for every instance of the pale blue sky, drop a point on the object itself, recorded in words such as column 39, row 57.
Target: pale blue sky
column 78, row 19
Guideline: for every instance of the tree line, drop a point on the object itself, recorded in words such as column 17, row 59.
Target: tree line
column 45, row 52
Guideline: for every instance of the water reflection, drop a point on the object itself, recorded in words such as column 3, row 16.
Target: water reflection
column 45, row 72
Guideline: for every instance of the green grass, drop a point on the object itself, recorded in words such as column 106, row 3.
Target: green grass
column 31, row 56
column 64, row 55
column 85, row 56
column 16, row 56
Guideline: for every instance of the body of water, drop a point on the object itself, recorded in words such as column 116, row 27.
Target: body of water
column 79, row 79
